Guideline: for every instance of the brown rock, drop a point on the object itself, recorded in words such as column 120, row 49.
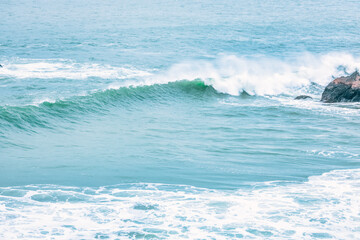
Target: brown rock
column 343, row 89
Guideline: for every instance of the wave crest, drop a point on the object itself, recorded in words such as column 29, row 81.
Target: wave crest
column 263, row 75
column 228, row 74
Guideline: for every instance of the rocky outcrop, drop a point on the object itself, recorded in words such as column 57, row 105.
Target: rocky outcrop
column 343, row 89
column 301, row 97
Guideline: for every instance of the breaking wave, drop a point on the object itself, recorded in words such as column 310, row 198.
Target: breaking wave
column 264, row 75
column 228, row 74
column 231, row 75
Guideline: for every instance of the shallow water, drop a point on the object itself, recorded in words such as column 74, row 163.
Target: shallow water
column 176, row 120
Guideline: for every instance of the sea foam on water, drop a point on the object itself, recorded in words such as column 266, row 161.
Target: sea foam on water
column 324, row 206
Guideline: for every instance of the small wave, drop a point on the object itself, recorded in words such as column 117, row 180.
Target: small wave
column 325, row 206
column 335, row 153
column 37, row 102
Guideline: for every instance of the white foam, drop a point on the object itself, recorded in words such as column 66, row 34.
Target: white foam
column 343, row 110
column 227, row 73
column 324, row 206
column 335, row 153
column 346, row 110
column 257, row 75
column 60, row 68
column 37, row 102
column 263, row 75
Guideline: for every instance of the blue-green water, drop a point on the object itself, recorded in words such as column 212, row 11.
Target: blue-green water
column 176, row 119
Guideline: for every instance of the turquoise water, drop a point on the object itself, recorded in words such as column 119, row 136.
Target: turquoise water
column 175, row 120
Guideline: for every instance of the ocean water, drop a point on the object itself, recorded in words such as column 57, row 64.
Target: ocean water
column 177, row 120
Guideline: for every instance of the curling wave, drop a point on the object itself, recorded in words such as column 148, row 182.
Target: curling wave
column 231, row 75
column 43, row 112
column 227, row 73
column 258, row 75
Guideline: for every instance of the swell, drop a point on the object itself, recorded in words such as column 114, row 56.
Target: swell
column 48, row 114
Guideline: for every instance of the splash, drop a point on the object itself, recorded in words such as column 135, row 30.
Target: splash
column 256, row 75
column 264, row 75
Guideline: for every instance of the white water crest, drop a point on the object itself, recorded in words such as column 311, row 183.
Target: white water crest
column 61, row 68
column 325, row 206
column 264, row 75
column 257, row 75
column 228, row 74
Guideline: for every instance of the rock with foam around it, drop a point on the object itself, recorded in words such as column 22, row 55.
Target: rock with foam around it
column 343, row 89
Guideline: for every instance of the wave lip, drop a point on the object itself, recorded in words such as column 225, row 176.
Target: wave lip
column 325, row 206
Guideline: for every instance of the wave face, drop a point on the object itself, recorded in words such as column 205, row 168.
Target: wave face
column 325, row 206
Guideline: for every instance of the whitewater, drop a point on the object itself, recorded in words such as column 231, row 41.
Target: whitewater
column 177, row 120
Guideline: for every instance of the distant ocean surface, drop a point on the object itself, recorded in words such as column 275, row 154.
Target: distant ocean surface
column 177, row 120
